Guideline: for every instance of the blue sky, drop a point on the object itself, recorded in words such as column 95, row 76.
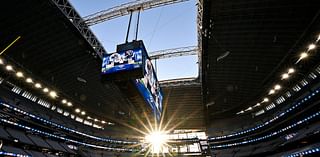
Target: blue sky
column 161, row 28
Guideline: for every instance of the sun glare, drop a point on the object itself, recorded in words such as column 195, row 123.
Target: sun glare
column 157, row 141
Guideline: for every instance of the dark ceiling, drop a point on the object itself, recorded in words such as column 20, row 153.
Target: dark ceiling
column 55, row 52
column 247, row 45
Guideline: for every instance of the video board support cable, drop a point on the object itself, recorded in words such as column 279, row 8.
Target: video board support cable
column 129, row 24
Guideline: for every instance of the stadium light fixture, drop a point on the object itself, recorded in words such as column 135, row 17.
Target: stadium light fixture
column 53, row 94
column 45, row 90
column 284, row 76
column 272, row 91
column 83, row 113
column 1, row 62
column 303, row 55
column 38, row 85
column 240, row 112
column 77, row 110
column 291, row 70
column 64, row 101
column 69, row 104
column 265, row 100
column 277, row 87
column 311, row 47
column 103, row 122
column 248, row 109
column 19, row 74
column 9, row 67
column 29, row 80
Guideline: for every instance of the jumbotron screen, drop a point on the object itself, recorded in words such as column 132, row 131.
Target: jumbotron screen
column 127, row 60
column 150, row 89
column 131, row 63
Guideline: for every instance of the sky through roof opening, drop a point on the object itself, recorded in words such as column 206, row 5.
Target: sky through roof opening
column 166, row 27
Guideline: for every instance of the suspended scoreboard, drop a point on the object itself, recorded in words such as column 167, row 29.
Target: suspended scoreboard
column 132, row 63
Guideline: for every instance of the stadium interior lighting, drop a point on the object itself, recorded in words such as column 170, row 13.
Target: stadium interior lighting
column 311, row 47
column 291, row 70
column 248, row 109
column 46, row 90
column 96, row 120
column 38, row 85
column 77, row 110
column 1, row 61
column 157, row 140
column 64, row 101
column 29, row 80
column 303, row 55
column 277, row 87
column 69, row 104
column 285, row 76
column 103, row 122
column 53, row 94
column 83, row 113
column 265, row 100
column 9, row 68
column 318, row 38
column 19, row 74
column 272, row 91
column 240, row 112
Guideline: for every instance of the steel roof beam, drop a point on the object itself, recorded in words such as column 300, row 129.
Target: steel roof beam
column 175, row 52
column 125, row 9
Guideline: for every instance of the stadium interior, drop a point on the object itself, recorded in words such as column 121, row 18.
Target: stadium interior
column 257, row 92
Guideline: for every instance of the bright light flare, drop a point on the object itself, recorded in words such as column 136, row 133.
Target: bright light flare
column 53, row 94
column 19, row 74
column 38, row 85
column 277, row 87
column 46, row 90
column 272, row 91
column 29, row 80
column 77, row 110
column 291, row 70
column 64, row 101
column 157, row 141
column 303, row 55
column 311, row 47
column 248, row 109
column 284, row 76
column 9, row 67
column 69, row 104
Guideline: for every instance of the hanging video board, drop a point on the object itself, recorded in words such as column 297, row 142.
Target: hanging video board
column 150, row 89
column 131, row 63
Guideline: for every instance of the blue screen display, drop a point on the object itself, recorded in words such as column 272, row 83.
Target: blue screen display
column 122, row 61
column 150, row 89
